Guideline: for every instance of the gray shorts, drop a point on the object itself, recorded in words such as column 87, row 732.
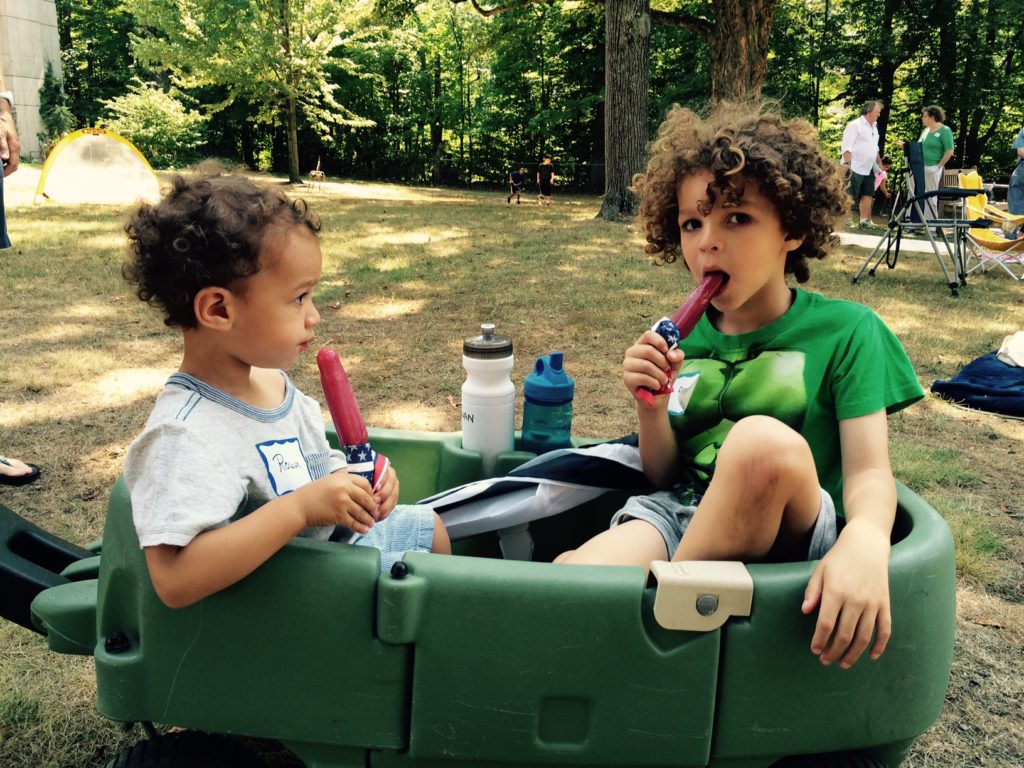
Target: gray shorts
column 671, row 517
column 409, row 528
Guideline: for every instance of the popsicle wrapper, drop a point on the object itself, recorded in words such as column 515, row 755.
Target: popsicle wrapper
column 363, row 460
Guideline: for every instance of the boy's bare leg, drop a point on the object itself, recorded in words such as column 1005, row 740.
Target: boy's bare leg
column 441, row 543
column 634, row 542
column 764, row 497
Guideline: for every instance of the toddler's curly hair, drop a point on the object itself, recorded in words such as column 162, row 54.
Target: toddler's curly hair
column 207, row 230
column 740, row 143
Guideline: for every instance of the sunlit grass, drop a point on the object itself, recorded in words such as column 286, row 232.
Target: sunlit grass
column 408, row 274
column 977, row 546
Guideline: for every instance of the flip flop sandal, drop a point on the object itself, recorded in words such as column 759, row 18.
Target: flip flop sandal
column 31, row 477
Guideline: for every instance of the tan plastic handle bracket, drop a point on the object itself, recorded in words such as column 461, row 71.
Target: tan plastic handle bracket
column 699, row 596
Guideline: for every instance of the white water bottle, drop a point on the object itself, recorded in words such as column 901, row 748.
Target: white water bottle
column 488, row 396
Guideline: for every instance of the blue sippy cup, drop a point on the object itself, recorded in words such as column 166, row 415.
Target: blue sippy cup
column 547, row 406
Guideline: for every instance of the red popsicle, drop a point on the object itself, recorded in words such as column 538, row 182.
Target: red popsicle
column 341, row 400
column 686, row 318
column 696, row 304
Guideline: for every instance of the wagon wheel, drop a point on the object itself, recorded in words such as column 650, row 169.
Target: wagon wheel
column 188, row 749
column 830, row 760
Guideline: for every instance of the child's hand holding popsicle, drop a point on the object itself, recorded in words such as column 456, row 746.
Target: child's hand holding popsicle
column 684, row 320
column 340, row 498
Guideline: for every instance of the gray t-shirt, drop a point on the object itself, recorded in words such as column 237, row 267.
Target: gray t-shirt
column 206, row 458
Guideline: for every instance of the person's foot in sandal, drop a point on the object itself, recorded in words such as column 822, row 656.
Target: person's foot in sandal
column 14, row 472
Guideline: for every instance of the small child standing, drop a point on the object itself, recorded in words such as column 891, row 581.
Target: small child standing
column 788, row 390
column 516, row 182
column 881, row 176
column 233, row 461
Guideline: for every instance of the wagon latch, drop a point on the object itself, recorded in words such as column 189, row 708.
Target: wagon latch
column 699, row 596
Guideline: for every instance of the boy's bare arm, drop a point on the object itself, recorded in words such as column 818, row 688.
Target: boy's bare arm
column 850, row 587
column 218, row 558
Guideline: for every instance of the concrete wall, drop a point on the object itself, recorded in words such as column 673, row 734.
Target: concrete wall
column 28, row 38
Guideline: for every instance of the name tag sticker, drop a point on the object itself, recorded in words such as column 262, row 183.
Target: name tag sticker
column 682, row 391
column 286, row 466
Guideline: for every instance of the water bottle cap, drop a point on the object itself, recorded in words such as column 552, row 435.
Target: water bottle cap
column 488, row 345
column 549, row 382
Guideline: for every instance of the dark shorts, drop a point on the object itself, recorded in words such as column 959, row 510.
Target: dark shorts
column 545, row 188
column 861, row 186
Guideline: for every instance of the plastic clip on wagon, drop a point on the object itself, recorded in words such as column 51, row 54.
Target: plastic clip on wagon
column 473, row 660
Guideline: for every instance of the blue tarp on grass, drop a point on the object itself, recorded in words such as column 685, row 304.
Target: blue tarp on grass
column 987, row 384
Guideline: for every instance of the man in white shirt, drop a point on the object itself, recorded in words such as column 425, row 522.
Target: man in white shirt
column 860, row 152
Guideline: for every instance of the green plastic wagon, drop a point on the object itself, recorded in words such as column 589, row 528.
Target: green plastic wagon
column 473, row 660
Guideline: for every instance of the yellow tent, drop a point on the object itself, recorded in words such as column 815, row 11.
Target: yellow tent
column 95, row 165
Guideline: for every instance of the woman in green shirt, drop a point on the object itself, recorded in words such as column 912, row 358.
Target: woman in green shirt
column 937, row 144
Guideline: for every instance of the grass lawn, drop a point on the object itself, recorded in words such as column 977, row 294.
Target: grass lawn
column 409, row 273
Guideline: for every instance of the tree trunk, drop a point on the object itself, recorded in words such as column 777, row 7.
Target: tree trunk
column 821, row 40
column 1006, row 40
column 436, row 134
column 888, row 61
column 293, row 128
column 627, row 53
column 948, row 58
column 739, row 43
column 293, row 144
column 248, row 142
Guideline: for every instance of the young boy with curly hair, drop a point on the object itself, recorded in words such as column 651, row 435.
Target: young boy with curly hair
column 788, row 390
column 233, row 461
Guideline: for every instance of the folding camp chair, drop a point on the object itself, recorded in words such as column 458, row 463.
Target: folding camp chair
column 987, row 247
column 915, row 214
column 950, row 179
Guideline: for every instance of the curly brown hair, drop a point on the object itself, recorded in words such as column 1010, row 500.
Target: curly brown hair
column 737, row 143
column 207, row 230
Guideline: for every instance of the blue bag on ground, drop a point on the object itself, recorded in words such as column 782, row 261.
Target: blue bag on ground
column 987, row 384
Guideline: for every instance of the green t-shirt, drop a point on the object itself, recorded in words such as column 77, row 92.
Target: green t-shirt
column 935, row 144
column 823, row 361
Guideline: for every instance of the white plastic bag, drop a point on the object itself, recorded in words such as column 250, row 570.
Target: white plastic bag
column 1012, row 350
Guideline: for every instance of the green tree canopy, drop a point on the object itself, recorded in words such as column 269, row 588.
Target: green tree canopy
column 432, row 90
column 278, row 54
column 53, row 109
column 167, row 133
